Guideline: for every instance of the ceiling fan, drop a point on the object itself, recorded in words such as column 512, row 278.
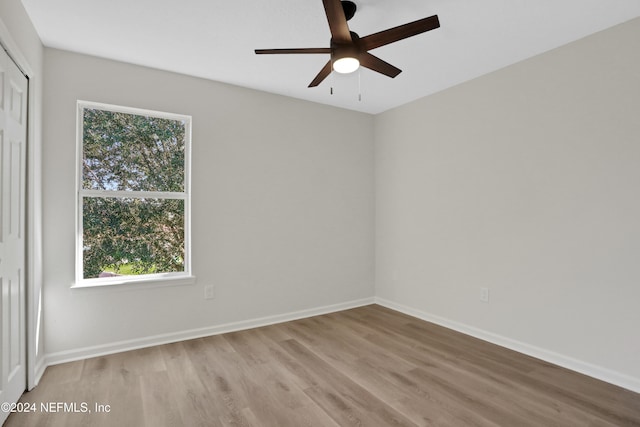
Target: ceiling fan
column 348, row 51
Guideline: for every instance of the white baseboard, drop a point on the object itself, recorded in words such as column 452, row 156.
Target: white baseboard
column 612, row 377
column 134, row 344
column 591, row 370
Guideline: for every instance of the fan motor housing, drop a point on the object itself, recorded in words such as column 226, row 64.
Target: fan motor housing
column 344, row 50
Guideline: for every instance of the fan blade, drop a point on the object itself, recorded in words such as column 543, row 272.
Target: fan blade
column 337, row 21
column 376, row 64
column 326, row 70
column 398, row 33
column 295, row 50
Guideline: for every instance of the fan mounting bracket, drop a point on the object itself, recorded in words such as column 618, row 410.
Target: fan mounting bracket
column 349, row 8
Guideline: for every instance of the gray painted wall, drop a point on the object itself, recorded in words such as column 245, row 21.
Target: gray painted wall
column 282, row 205
column 525, row 181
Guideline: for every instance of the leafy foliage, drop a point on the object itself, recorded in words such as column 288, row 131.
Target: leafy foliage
column 132, row 153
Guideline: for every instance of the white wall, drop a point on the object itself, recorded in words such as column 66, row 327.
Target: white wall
column 525, row 181
column 282, row 206
column 18, row 35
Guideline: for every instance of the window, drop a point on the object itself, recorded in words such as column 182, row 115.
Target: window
column 133, row 196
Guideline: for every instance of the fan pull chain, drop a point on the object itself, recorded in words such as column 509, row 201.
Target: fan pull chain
column 333, row 77
column 359, row 85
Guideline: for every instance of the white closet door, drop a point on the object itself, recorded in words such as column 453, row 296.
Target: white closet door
column 13, row 133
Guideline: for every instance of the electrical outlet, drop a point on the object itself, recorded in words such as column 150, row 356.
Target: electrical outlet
column 208, row 292
column 484, row 294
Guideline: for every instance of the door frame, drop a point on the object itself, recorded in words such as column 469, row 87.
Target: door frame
column 35, row 360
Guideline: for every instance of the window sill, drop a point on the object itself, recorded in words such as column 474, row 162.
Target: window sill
column 132, row 282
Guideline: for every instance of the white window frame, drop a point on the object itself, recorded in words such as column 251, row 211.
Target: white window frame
column 144, row 280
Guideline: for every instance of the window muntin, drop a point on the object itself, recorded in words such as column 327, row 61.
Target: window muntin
column 133, row 196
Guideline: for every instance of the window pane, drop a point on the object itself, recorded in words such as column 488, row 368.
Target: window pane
column 132, row 236
column 132, row 152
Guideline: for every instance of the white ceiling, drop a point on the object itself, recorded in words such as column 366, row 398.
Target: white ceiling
column 215, row 40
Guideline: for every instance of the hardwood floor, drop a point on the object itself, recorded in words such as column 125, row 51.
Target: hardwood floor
column 369, row 366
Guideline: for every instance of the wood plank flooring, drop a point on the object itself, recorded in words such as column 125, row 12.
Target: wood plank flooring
column 369, row 366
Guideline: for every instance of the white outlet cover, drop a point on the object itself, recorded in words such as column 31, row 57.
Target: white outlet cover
column 484, row 294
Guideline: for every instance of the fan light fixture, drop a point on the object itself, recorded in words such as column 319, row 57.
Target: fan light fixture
column 346, row 65
column 345, row 56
